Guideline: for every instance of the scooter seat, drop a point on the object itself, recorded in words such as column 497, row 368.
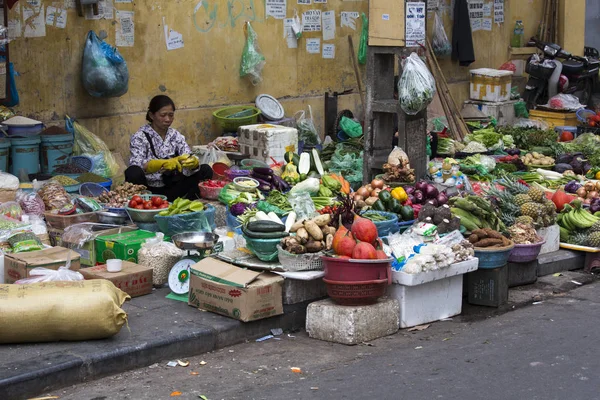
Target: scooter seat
column 572, row 67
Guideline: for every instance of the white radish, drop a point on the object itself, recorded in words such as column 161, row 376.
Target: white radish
column 290, row 221
column 274, row 217
column 262, row 216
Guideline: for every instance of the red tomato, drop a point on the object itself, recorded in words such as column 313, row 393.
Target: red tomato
column 164, row 205
column 147, row 205
column 132, row 203
column 592, row 123
column 156, row 201
column 154, row 208
column 137, row 199
column 139, row 207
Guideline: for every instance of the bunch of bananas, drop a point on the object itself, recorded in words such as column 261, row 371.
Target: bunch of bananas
column 573, row 217
column 476, row 213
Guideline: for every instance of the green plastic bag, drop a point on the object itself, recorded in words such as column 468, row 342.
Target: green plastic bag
column 252, row 60
column 364, row 38
column 351, row 127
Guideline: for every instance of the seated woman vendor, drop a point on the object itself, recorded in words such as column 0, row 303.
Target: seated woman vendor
column 160, row 157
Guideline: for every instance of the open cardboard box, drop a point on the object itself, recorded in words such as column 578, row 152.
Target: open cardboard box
column 235, row 292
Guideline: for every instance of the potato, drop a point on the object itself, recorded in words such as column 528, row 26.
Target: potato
column 302, row 234
column 314, row 246
column 313, row 230
column 297, row 225
column 322, row 220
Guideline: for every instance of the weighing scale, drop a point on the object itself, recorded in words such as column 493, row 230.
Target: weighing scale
column 203, row 244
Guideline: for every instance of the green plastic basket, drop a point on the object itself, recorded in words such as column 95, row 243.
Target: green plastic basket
column 231, row 118
column 264, row 249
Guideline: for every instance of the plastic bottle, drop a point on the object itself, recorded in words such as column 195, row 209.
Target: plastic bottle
column 518, row 34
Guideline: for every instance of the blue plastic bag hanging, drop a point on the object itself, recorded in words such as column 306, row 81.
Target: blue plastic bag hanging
column 104, row 71
column 12, row 96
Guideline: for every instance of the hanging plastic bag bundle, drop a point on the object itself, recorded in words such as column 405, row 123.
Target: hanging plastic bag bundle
column 364, row 39
column 252, row 60
column 90, row 145
column 416, row 85
column 441, row 44
column 307, row 132
column 104, row 71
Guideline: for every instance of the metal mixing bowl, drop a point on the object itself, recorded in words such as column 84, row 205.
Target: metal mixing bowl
column 107, row 217
column 195, row 240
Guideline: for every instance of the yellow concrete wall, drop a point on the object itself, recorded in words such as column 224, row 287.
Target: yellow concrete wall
column 571, row 26
column 201, row 77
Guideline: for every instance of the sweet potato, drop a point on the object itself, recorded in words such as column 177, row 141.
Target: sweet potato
column 313, row 230
column 480, row 233
column 473, row 238
column 314, row 246
column 488, row 242
column 328, row 230
column 492, row 233
column 322, row 220
column 302, row 234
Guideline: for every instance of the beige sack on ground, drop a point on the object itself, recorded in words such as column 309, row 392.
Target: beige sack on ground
column 51, row 311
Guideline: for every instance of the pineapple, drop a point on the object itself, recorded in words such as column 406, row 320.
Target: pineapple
column 593, row 239
column 595, row 227
column 524, row 219
column 549, row 208
column 531, row 210
column 536, row 195
column 521, row 199
column 579, row 238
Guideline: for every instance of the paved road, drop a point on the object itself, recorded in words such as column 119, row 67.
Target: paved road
column 546, row 351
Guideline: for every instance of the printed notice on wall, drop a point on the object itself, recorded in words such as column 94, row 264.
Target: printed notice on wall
column 33, row 18
column 348, row 18
column 288, row 33
column 486, row 24
column 125, row 29
column 415, row 23
column 498, row 11
column 70, row 4
column 328, row 50
column 105, row 10
column 320, row 1
column 275, row 8
column 476, row 24
column 123, row 1
column 433, row 5
column 14, row 24
column 475, row 9
column 313, row 46
column 328, row 19
column 56, row 17
column 304, row 2
column 173, row 39
column 487, row 9
column 311, row 21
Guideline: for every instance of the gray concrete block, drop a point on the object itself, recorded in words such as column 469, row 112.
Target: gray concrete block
column 325, row 320
column 297, row 291
column 520, row 274
column 559, row 261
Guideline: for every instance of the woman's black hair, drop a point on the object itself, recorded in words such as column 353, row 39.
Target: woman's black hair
column 157, row 103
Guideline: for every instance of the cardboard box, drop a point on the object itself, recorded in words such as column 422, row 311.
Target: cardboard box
column 387, row 22
column 17, row 266
column 87, row 250
column 133, row 279
column 123, row 246
column 238, row 293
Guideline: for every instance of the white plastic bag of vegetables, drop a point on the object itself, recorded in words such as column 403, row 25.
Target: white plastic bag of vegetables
column 416, row 86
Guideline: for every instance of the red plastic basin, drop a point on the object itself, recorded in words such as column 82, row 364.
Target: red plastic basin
column 343, row 270
column 355, row 293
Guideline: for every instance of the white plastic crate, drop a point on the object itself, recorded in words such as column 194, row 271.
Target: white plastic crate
column 430, row 296
column 490, row 84
column 503, row 111
column 263, row 141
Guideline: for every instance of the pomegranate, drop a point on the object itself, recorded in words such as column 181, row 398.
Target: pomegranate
column 381, row 255
column 364, row 251
column 364, row 230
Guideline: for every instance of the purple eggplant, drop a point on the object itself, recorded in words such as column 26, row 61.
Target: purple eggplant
column 262, row 182
column 263, row 171
column 281, row 185
column 257, row 175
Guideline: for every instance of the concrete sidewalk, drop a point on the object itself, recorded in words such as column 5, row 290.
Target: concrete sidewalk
column 158, row 329
column 161, row 329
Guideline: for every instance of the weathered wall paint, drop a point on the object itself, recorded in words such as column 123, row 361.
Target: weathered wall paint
column 201, row 77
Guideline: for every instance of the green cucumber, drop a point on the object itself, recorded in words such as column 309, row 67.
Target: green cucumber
column 265, row 226
column 263, row 235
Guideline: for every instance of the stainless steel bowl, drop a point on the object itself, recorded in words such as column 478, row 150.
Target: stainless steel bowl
column 195, row 240
column 107, row 217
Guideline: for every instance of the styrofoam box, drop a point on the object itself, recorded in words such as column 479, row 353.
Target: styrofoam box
column 502, row 111
column 430, row 296
column 551, row 235
column 490, row 84
column 263, row 142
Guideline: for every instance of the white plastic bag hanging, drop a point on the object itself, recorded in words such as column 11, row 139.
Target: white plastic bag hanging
column 214, row 155
column 307, row 132
column 416, row 86
column 441, row 44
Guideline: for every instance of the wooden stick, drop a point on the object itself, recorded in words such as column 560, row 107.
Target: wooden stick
column 543, row 25
column 555, row 27
column 356, row 73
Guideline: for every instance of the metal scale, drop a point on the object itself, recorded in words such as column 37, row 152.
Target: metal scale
column 199, row 245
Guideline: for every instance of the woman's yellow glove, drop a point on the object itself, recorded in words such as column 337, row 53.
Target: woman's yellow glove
column 190, row 163
column 168, row 165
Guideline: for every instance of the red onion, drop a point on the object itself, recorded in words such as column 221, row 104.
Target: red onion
column 430, row 191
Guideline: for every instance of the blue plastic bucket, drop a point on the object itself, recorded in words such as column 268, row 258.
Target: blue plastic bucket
column 55, row 150
column 4, row 153
column 25, row 154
